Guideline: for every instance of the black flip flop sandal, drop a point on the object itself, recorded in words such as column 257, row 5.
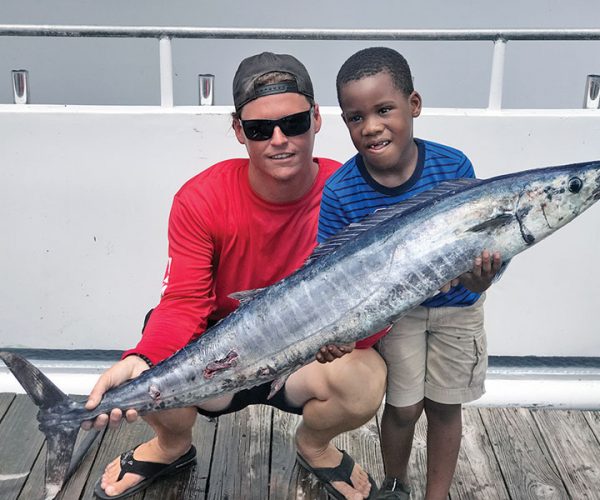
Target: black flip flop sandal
column 342, row 472
column 151, row 471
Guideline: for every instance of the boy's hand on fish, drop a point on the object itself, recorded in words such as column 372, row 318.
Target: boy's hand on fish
column 329, row 353
column 485, row 268
column 124, row 370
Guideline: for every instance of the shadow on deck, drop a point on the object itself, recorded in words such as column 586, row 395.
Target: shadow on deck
column 507, row 453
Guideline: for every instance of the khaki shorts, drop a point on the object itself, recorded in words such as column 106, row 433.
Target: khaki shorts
column 436, row 353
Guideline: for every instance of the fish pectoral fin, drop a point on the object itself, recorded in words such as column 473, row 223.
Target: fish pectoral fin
column 276, row 385
column 493, row 223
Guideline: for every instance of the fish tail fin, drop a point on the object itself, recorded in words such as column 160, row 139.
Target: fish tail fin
column 60, row 444
column 60, row 438
column 39, row 387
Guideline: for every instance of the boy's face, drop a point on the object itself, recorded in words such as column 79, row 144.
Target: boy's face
column 280, row 157
column 380, row 120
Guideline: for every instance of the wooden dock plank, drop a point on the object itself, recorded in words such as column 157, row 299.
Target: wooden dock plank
column 21, row 442
column 574, row 449
column 34, row 486
column 240, row 467
column 5, row 401
column 477, row 472
column 593, row 419
column 527, row 468
column 506, row 453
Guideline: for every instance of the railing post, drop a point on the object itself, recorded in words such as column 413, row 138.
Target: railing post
column 206, row 85
column 166, row 72
column 497, row 77
column 591, row 100
column 20, row 85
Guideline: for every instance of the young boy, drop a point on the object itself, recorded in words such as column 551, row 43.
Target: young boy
column 436, row 354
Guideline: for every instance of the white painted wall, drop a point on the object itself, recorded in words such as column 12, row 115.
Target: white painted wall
column 85, row 195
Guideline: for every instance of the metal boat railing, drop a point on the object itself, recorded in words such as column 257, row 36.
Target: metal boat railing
column 500, row 37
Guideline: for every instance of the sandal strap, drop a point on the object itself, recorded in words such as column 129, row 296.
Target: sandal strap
column 140, row 467
column 340, row 473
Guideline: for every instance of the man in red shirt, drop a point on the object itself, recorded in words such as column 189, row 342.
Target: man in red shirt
column 239, row 225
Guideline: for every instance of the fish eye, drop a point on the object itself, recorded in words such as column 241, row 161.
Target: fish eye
column 575, row 184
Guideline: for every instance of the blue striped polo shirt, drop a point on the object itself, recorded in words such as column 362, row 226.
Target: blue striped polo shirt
column 351, row 193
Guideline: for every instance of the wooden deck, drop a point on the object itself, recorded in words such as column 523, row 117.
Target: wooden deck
column 508, row 453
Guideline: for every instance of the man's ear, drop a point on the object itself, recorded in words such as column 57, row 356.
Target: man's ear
column 239, row 132
column 415, row 103
column 317, row 117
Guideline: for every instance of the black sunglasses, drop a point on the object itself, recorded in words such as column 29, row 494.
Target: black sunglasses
column 291, row 125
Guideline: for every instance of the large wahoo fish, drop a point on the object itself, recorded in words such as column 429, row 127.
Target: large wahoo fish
column 352, row 286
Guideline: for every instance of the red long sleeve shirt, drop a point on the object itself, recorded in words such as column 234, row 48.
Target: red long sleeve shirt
column 223, row 238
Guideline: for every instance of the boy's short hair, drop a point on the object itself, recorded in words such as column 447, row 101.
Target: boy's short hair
column 369, row 62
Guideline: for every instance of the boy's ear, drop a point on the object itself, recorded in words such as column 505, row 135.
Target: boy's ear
column 415, row 103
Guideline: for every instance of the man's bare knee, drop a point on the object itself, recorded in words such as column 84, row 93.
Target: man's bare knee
column 216, row 404
column 177, row 420
column 360, row 382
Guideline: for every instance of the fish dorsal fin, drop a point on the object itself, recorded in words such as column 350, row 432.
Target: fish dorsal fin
column 246, row 295
column 382, row 214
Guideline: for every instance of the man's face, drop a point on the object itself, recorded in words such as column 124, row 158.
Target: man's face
column 281, row 157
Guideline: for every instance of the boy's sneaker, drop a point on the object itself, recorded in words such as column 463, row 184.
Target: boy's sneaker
column 393, row 489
